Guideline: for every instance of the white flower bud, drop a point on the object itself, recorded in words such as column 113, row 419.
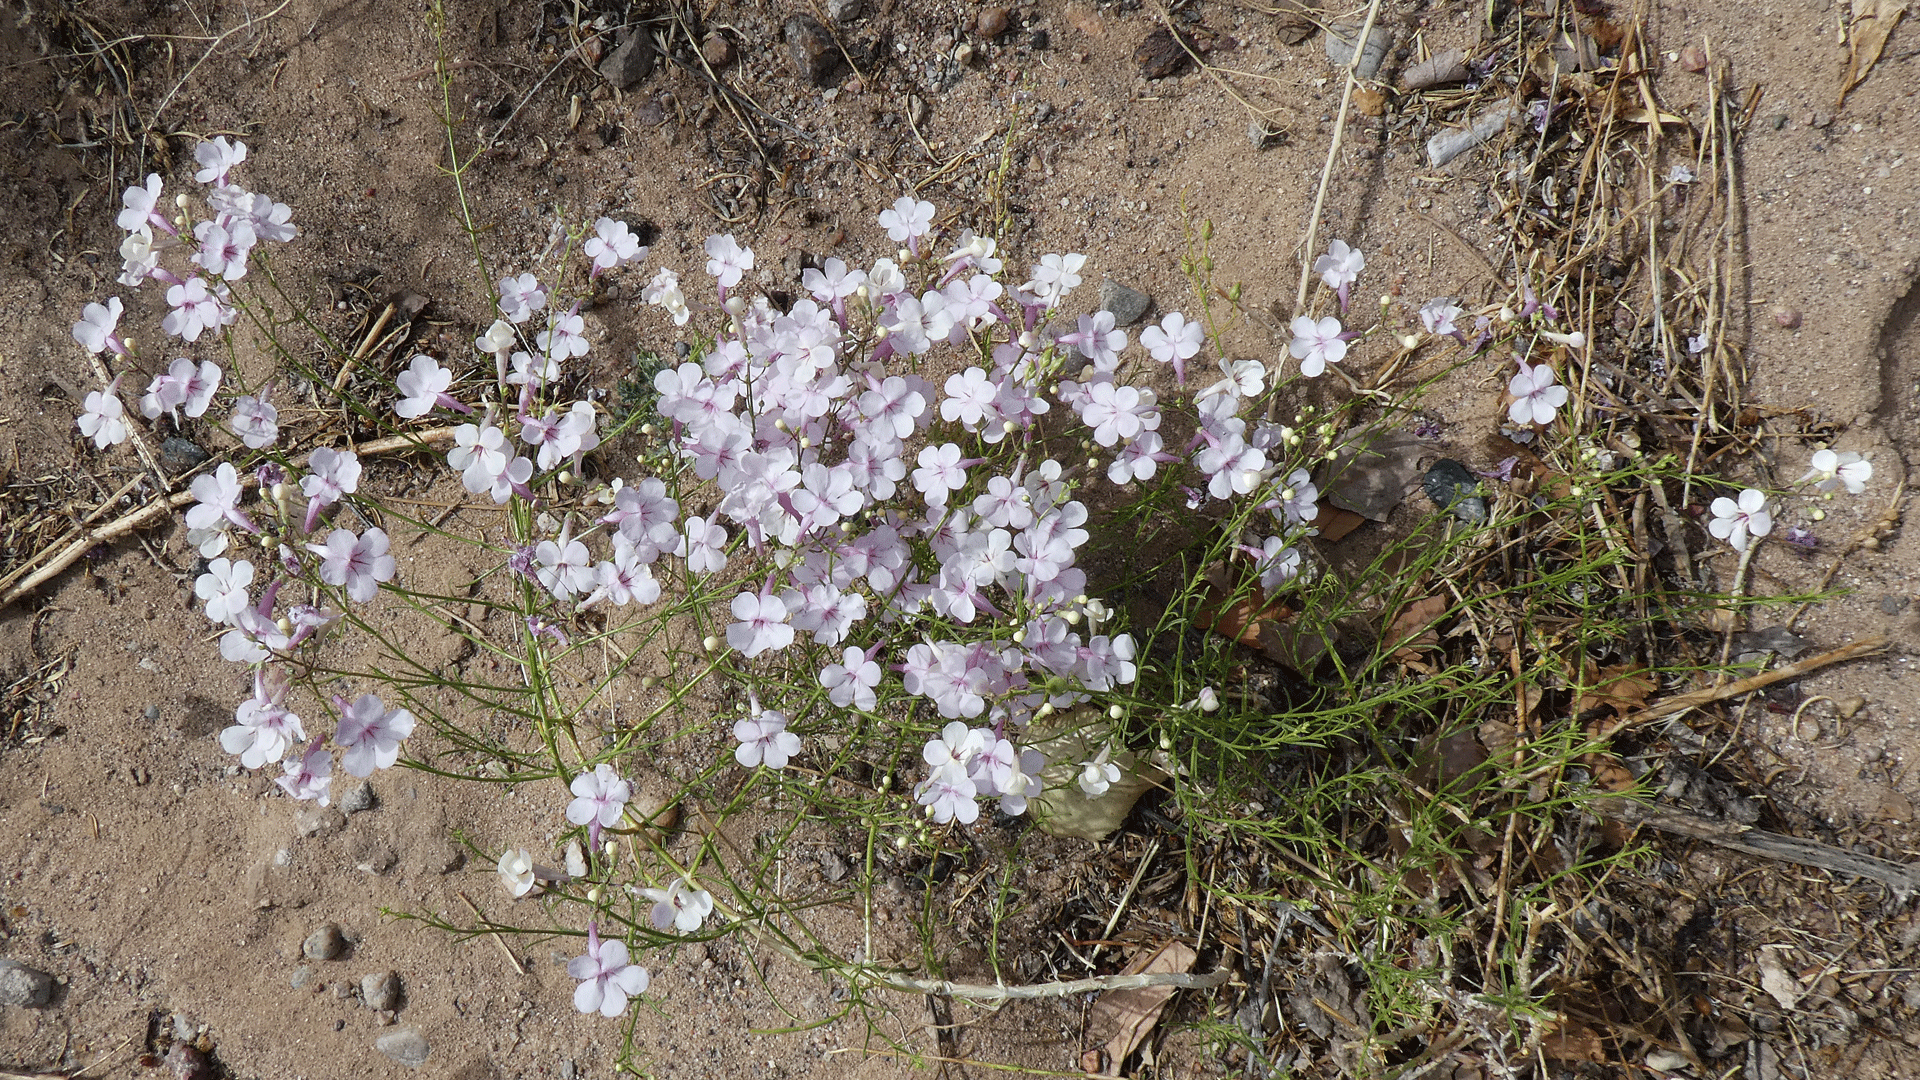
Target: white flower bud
column 1817, row 514
column 736, row 305
column 593, row 895
column 710, row 643
column 1209, row 699
column 1115, row 712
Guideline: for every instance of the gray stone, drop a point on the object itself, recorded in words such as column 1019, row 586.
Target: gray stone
column 1127, row 305
column 845, row 11
column 1450, row 144
column 318, row 821
column 630, row 63
column 177, row 455
column 815, row 55
column 326, row 942
column 24, row 986
column 359, row 797
column 380, row 990
column 568, row 1071
column 1340, row 39
column 301, row 976
column 406, row 1046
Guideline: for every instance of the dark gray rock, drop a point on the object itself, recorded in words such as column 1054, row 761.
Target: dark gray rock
column 1128, row 306
column 1453, row 488
column 359, row 797
column 406, row 1046
column 24, row 986
column 326, row 942
column 631, row 62
column 380, row 990
column 177, row 455
column 814, row 53
column 845, row 11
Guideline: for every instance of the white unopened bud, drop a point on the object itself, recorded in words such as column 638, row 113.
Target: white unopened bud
column 593, row 895
column 1009, row 426
column 1115, row 712
column 1043, row 711
column 1072, row 618
column 1409, row 341
column 736, row 305
column 649, row 429
column 1020, row 636
column 710, row 643
column 1209, row 699
column 1028, row 339
column 1817, row 514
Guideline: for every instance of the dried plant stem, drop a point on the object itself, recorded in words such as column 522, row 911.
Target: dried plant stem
column 982, row 992
column 127, row 523
column 1333, row 154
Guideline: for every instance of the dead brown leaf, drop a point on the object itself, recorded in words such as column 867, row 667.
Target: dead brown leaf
column 1335, row 524
column 1411, row 631
column 1122, row 1019
column 1369, row 102
column 1867, row 33
column 1615, row 687
column 1569, row 1040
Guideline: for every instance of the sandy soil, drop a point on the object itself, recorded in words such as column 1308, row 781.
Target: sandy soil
column 155, row 879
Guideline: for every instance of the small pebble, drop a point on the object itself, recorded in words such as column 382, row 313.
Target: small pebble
column 326, row 942
column 1039, row 41
column 718, row 50
column 357, row 798
column 1127, row 305
column 301, row 976
column 380, row 990
column 568, row 1071
column 151, row 712
column 1849, row 707
column 1786, row 318
column 23, row 986
column 318, row 821
column 404, row 1046
column 813, row 50
column 177, row 455
column 846, row 11
column 1693, row 58
column 991, row 22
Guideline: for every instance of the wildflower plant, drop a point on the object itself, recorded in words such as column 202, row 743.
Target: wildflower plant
column 855, row 561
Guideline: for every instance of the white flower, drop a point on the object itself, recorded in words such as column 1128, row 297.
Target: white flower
column 908, row 220
column 1833, row 471
column 94, row 331
column 1098, row 775
column 1437, row 315
column 1535, row 397
column 681, row 905
column 516, row 871
column 1735, row 521
column 224, row 588
column 1339, row 266
column 1316, row 343
column 104, row 419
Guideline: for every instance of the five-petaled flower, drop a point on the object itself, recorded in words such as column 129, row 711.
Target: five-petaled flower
column 611, row 245
column 1736, row 520
column 370, row 734
column 1175, row 341
column 682, row 905
column 95, row 330
column 1536, row 397
column 1317, row 343
column 606, row 977
column 727, row 261
column 1831, row 471
column 907, row 221
column 1339, row 267
column 764, row 739
column 104, row 418
column 224, row 588
column 357, row 563
column 334, row 475
column 599, row 800
column 761, row 624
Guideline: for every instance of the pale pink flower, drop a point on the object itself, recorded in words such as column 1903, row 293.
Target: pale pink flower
column 371, row 734
column 1737, row 521
column 1535, row 397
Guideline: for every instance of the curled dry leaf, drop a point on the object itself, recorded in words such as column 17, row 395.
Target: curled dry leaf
column 1411, row 632
column 1873, row 22
column 1616, row 686
column 1121, row 1019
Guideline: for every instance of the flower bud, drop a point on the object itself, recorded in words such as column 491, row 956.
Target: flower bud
column 1817, row 514
column 648, row 682
column 1409, row 341
column 710, row 643
column 649, row 429
column 1020, row 636
column 593, row 895
column 611, row 848
column 1072, row 618
column 1115, row 712
column 1043, row 711
column 1209, row 699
